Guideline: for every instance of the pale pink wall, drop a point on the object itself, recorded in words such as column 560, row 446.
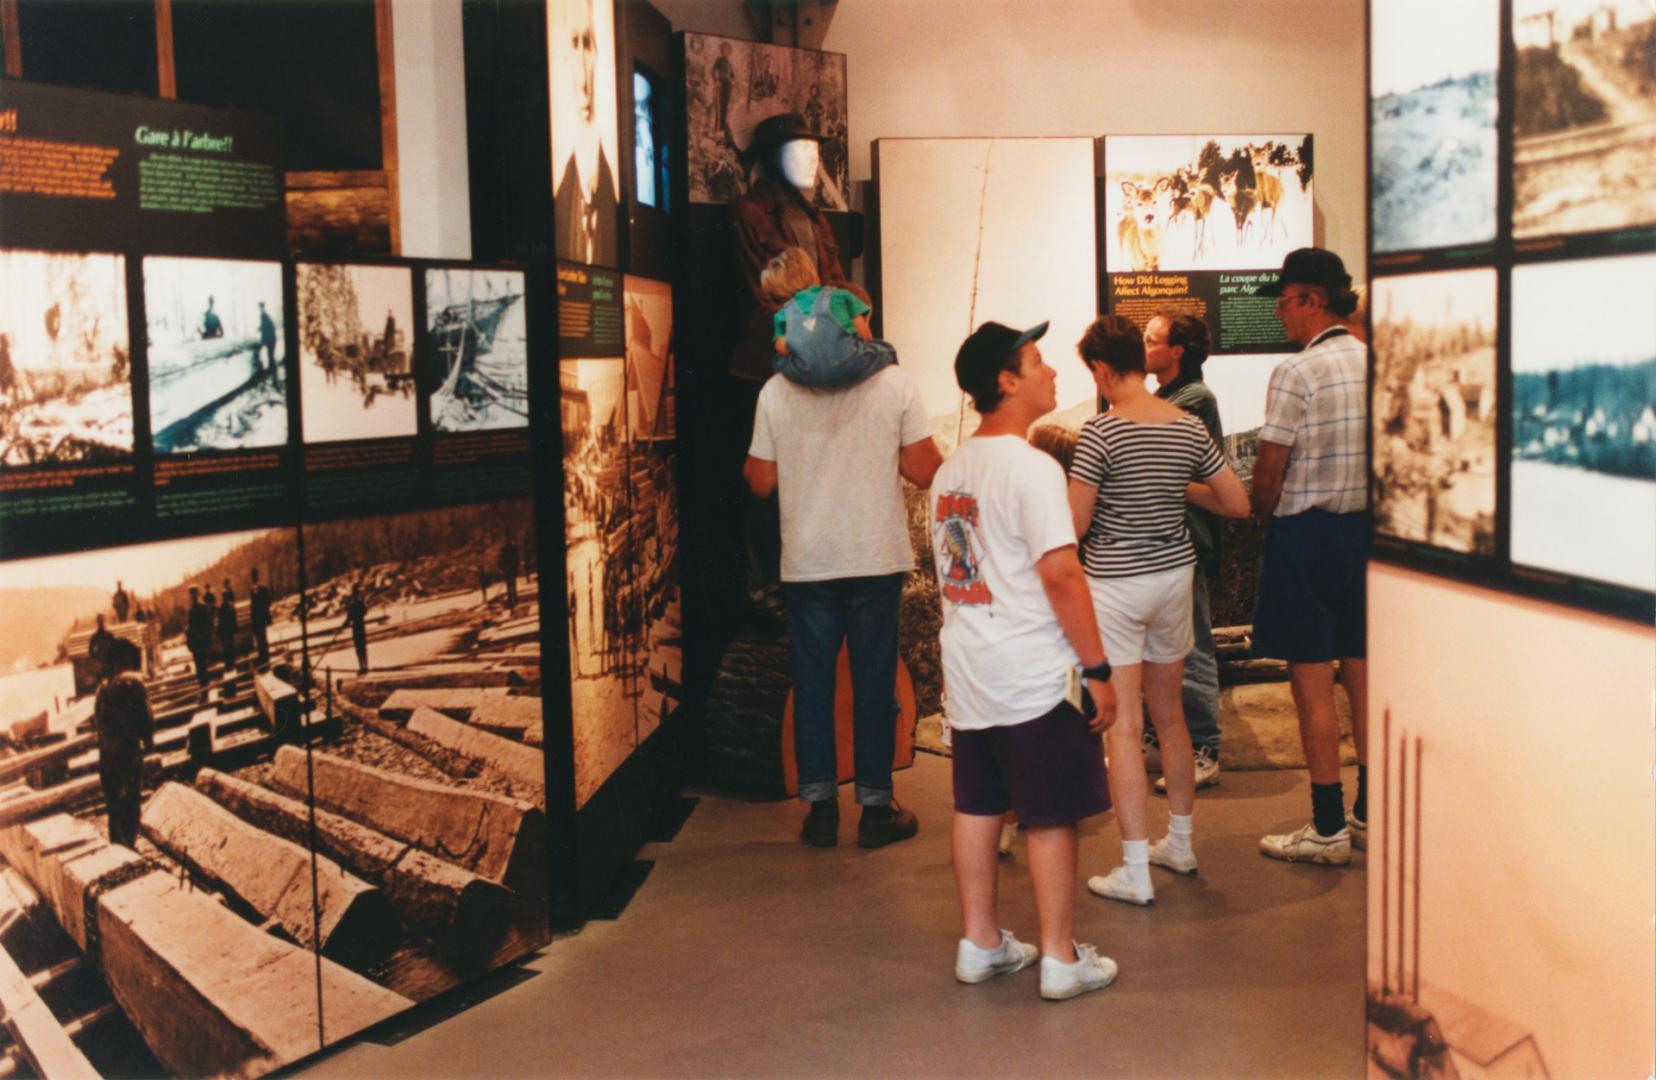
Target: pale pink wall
column 1539, row 849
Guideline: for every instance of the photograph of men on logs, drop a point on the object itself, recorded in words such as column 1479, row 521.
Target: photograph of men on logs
column 356, row 351
column 607, row 675
column 652, row 463
column 217, row 354
column 1584, row 118
column 155, row 723
column 1583, row 478
column 1435, row 409
column 65, row 363
column 477, row 349
column 731, row 85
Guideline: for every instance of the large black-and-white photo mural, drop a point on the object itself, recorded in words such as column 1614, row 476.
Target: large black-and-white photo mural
column 217, row 354
column 585, row 166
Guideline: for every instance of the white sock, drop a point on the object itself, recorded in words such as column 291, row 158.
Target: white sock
column 1136, row 855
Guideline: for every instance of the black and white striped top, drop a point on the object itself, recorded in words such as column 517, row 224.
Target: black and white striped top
column 1140, row 470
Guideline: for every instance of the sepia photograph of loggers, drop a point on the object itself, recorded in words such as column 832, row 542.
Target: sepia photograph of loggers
column 65, row 363
column 163, row 733
column 356, row 368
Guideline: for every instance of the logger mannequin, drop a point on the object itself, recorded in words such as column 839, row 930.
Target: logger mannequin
column 776, row 213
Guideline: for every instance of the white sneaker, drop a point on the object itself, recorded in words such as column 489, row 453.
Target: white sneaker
column 975, row 965
column 1009, row 833
column 1163, row 853
column 1118, row 885
column 1060, row 981
column 1207, row 771
column 1359, row 831
column 1306, row 844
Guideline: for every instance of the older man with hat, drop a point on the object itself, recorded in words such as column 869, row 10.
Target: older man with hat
column 833, row 458
column 1310, row 484
column 777, row 213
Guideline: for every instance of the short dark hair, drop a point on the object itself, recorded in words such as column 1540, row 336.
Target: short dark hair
column 1116, row 341
column 1189, row 333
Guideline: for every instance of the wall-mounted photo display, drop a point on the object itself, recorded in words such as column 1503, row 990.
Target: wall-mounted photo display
column 652, row 434
column 217, row 354
column 649, row 118
column 1434, row 410
column 356, row 352
column 1583, row 462
column 155, row 689
column 731, row 85
column 1432, row 123
column 599, row 536
column 1584, row 104
column 1194, row 223
column 477, row 349
column 651, row 174
column 585, row 162
column 424, row 628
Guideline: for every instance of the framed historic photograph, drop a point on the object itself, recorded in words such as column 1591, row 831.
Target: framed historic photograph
column 580, row 57
column 356, row 352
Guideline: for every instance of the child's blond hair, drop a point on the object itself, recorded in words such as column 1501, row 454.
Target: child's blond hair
column 787, row 274
column 1057, row 440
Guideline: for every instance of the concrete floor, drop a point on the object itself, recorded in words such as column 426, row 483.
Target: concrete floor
column 747, row 954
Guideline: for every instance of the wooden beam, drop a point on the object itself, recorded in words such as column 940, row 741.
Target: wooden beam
column 43, row 1041
column 510, row 717
column 523, row 765
column 384, row 39
column 24, row 764
column 424, row 890
column 271, row 875
column 456, row 703
column 211, row 994
column 494, row 837
column 278, row 701
column 165, row 67
column 11, row 31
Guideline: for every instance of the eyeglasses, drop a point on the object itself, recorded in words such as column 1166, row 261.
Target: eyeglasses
column 1292, row 298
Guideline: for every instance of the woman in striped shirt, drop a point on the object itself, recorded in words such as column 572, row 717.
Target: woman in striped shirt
column 1135, row 467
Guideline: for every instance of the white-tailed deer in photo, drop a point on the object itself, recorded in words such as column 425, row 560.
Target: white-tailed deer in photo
column 1143, row 213
column 1243, row 201
column 1268, row 188
column 1192, row 198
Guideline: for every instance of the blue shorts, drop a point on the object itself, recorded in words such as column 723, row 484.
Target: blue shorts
column 1312, row 604
column 1049, row 769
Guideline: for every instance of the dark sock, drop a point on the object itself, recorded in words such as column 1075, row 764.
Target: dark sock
column 1359, row 809
column 1327, row 808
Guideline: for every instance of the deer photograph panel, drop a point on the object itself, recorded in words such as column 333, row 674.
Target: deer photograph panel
column 1434, row 409
column 1583, row 472
column 1205, row 202
column 356, row 366
column 477, row 349
column 1432, row 112
column 217, row 354
column 1584, row 116
column 65, row 362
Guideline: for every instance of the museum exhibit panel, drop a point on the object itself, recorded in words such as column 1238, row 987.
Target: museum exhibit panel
column 329, row 330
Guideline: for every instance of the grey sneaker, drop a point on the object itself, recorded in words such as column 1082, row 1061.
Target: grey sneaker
column 1118, row 885
column 1207, row 771
column 1306, row 844
column 975, row 965
column 1359, row 831
column 1163, row 854
column 1061, row 981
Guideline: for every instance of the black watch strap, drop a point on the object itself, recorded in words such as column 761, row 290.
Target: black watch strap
column 1101, row 672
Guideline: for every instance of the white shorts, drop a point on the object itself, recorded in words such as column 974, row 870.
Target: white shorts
column 1146, row 617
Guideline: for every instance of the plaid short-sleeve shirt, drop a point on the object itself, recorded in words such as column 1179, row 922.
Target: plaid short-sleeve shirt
column 1317, row 406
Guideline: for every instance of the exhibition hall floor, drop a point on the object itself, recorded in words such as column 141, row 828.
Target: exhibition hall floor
column 746, row 954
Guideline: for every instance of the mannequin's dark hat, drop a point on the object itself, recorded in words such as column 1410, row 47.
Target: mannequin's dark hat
column 983, row 355
column 773, row 131
column 1308, row 266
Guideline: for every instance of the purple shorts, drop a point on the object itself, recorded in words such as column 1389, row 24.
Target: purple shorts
column 1049, row 769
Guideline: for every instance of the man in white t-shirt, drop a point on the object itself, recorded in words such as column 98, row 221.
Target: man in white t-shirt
column 1017, row 624
column 834, row 458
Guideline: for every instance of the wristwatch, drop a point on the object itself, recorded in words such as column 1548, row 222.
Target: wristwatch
column 1100, row 672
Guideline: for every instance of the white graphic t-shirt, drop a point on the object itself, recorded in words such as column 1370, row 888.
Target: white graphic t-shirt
column 998, row 505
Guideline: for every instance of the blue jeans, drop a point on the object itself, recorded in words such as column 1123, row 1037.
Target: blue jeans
column 862, row 613
column 1201, row 677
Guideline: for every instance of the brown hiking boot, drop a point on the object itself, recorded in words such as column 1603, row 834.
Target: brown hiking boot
column 882, row 825
column 821, row 828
